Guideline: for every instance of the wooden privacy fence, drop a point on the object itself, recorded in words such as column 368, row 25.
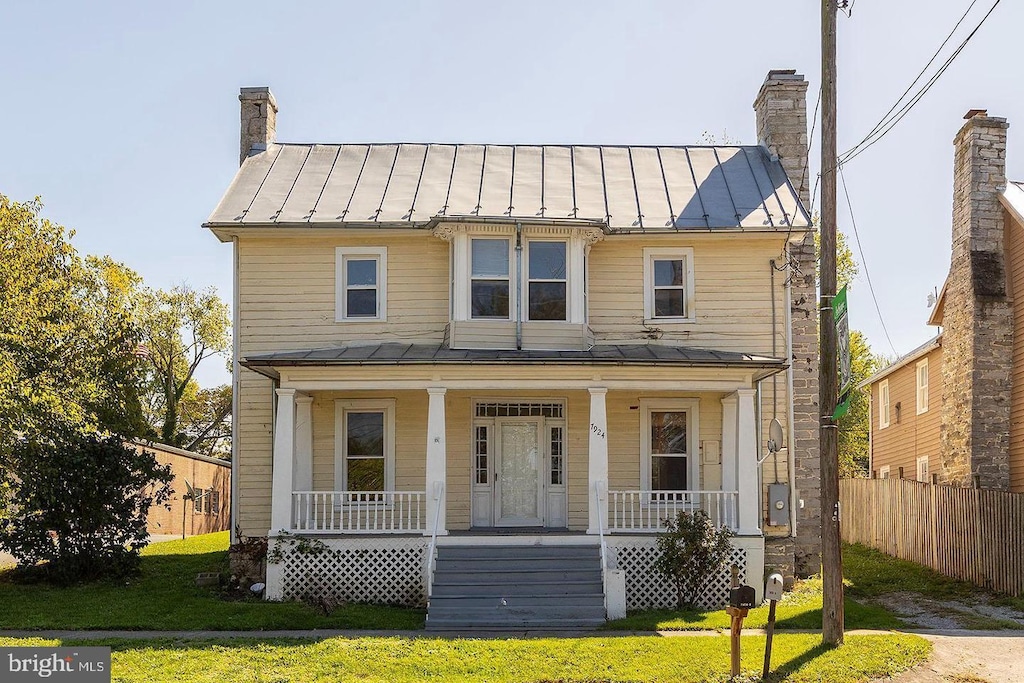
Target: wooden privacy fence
column 976, row 535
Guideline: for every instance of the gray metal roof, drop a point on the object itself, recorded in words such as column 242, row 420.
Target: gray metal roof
column 418, row 354
column 414, row 185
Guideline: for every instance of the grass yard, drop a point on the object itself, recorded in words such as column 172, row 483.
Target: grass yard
column 798, row 609
column 796, row 658
column 165, row 597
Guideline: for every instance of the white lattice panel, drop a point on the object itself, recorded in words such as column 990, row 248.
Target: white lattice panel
column 646, row 588
column 379, row 570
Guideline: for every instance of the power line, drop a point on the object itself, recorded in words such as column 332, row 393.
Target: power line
column 897, row 113
column 864, row 262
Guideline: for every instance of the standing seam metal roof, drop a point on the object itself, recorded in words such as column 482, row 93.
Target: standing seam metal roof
column 625, row 188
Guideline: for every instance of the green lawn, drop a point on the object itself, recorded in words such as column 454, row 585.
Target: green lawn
column 798, row 609
column 164, row 597
column 796, row 658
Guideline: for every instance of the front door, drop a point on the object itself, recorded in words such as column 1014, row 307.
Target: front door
column 518, row 483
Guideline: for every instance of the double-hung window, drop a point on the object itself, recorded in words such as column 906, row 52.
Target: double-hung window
column 361, row 274
column 669, row 459
column 668, row 284
column 883, row 404
column 364, row 445
column 922, row 387
column 548, row 284
column 489, row 286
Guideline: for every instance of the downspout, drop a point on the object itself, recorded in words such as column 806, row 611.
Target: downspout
column 235, row 392
column 791, row 446
column 519, row 286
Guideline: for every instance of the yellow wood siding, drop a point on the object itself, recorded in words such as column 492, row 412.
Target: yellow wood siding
column 731, row 297
column 903, row 441
column 1015, row 265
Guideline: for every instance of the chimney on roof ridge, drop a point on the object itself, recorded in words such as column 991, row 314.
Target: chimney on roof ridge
column 259, row 121
column 781, row 111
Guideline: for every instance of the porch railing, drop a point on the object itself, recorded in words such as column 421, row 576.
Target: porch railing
column 359, row 512
column 645, row 511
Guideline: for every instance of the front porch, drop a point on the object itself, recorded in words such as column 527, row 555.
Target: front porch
column 382, row 477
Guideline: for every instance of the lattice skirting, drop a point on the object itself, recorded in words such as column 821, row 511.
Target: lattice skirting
column 371, row 570
column 646, row 588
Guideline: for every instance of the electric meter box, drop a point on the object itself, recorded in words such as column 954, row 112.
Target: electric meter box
column 778, row 504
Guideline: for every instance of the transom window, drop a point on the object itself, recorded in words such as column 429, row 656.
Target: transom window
column 489, row 289
column 668, row 284
column 361, row 283
column 547, row 281
column 549, row 410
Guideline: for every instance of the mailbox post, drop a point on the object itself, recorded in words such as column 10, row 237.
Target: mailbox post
column 773, row 593
column 741, row 599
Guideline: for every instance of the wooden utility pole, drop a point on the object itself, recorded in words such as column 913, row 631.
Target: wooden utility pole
column 831, row 552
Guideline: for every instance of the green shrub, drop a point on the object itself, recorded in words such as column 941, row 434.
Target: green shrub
column 79, row 504
column 691, row 551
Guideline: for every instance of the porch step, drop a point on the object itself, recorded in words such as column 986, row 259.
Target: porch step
column 517, row 588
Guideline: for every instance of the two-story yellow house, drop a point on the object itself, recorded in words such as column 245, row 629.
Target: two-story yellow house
column 485, row 374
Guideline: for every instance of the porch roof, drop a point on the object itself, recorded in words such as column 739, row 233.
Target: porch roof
column 439, row 354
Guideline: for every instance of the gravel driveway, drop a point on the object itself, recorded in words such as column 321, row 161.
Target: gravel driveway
column 962, row 656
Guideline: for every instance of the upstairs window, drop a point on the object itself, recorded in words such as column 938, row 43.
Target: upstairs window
column 922, row 387
column 361, row 274
column 668, row 284
column 547, row 281
column 883, row 404
column 489, row 287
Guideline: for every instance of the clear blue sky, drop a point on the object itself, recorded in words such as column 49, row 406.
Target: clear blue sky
column 124, row 115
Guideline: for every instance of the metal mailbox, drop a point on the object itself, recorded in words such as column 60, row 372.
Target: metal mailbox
column 773, row 587
column 742, row 597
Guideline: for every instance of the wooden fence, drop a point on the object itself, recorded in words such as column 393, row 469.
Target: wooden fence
column 975, row 535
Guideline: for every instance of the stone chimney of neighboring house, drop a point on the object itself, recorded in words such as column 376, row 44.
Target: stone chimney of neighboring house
column 259, row 120
column 781, row 109
column 978, row 315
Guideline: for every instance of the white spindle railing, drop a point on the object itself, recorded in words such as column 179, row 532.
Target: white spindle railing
column 646, row 510
column 359, row 512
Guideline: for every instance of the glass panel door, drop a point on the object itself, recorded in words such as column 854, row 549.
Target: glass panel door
column 519, row 467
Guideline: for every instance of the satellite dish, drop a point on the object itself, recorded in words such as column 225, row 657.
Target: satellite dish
column 775, row 436
column 191, row 495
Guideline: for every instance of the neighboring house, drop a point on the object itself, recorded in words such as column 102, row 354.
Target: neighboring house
column 208, row 509
column 952, row 411
column 532, row 354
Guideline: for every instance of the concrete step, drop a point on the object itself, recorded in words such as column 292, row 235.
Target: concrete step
column 513, row 624
column 442, row 610
column 475, row 588
column 524, row 575
column 470, row 602
column 518, row 564
column 518, row 552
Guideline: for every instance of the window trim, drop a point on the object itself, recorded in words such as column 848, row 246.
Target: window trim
column 509, row 277
column 922, row 405
column 883, row 404
column 923, row 459
column 369, row 405
column 691, row 406
column 341, row 255
column 883, row 472
column 652, row 254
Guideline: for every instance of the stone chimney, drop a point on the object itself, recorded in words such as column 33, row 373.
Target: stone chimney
column 259, row 121
column 781, row 111
column 977, row 339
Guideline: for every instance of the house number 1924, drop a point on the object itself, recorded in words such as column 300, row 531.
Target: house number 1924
column 597, row 430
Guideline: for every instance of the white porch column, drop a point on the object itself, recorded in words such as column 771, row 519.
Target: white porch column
column 437, row 467
column 746, row 462
column 729, row 443
column 284, row 462
column 303, row 443
column 598, row 466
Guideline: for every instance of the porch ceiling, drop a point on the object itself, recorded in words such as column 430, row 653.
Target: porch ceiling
column 439, row 354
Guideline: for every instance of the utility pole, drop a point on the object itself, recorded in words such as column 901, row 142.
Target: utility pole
column 831, row 552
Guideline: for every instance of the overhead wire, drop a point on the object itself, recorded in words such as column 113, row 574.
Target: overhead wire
column 864, row 262
column 897, row 113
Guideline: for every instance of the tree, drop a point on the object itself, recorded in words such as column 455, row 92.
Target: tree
column 690, row 552
column 854, row 426
column 204, row 418
column 181, row 329
column 81, row 502
column 66, row 333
